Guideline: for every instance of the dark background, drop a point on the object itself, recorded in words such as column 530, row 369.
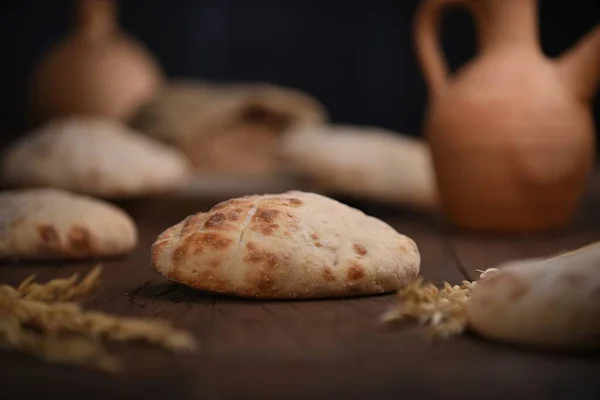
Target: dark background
column 355, row 56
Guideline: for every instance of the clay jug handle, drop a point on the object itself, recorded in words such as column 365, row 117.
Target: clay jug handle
column 428, row 48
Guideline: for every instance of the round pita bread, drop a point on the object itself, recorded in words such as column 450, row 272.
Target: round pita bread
column 230, row 128
column 364, row 162
column 51, row 224
column 550, row 303
column 96, row 156
column 290, row 245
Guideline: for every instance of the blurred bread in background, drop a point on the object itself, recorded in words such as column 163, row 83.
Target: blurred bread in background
column 93, row 155
column 363, row 162
column 231, row 128
column 51, row 223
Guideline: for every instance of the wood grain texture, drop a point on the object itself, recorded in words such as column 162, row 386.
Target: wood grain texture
column 302, row 349
column 478, row 252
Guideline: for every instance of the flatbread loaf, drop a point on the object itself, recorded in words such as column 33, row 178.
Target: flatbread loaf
column 53, row 224
column 96, row 156
column 230, row 128
column 290, row 245
column 364, row 162
column 552, row 303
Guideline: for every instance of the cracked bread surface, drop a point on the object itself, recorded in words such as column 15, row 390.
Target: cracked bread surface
column 289, row 245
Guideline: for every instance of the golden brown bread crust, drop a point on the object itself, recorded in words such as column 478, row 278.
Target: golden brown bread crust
column 51, row 224
column 292, row 245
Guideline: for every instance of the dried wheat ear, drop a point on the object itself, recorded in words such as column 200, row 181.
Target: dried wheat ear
column 442, row 310
column 44, row 320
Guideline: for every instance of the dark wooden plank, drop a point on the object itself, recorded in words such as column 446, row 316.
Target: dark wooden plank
column 284, row 349
column 478, row 253
column 474, row 253
column 247, row 332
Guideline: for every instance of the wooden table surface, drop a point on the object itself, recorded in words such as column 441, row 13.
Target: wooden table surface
column 310, row 349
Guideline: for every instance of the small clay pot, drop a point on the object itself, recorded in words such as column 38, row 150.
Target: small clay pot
column 97, row 69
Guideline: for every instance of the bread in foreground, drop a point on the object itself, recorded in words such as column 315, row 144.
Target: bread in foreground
column 96, row 156
column 289, row 245
column 55, row 224
column 550, row 303
column 553, row 303
column 364, row 162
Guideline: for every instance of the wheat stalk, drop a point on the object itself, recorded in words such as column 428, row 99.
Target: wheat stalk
column 443, row 310
column 65, row 332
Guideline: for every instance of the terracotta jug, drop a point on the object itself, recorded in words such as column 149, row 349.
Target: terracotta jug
column 97, row 69
column 512, row 132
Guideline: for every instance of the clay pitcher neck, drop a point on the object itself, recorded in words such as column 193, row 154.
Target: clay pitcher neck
column 506, row 24
column 96, row 18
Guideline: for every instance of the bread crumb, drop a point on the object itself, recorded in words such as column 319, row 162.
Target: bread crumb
column 486, row 272
column 38, row 319
column 443, row 310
